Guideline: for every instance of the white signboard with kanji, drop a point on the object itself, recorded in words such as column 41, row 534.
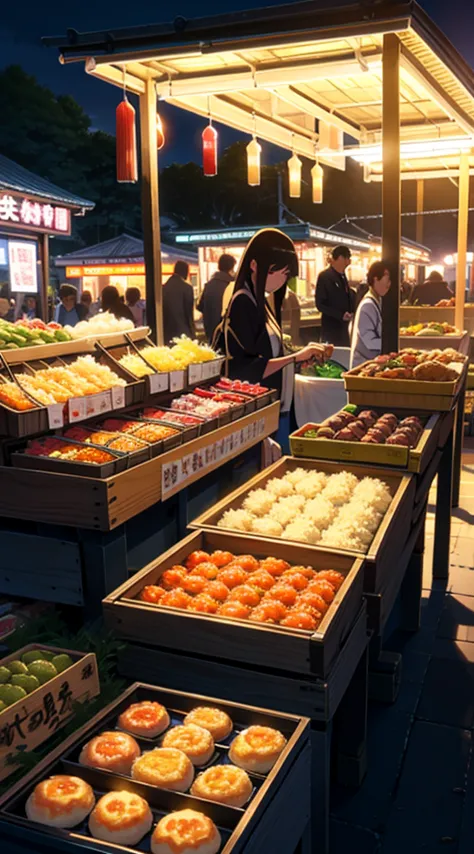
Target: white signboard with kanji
column 24, row 213
column 23, row 267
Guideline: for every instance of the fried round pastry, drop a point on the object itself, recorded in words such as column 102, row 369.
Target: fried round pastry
column 232, row 576
column 173, row 577
column 121, row 817
column 147, row 719
column 194, row 584
column 225, row 784
column 295, row 579
column 257, row 748
column 284, row 593
column 195, row 741
column 323, row 587
column 60, row 801
column 261, row 579
column 246, row 594
column 197, row 557
column 110, row 751
column 247, row 562
column 333, row 576
column 176, row 599
column 205, row 570
column 203, row 604
column 217, row 590
column 310, row 597
column 217, row 722
column 234, row 611
column 185, row 832
column 300, row 620
column 165, row 767
column 152, row 593
column 220, row 558
column 268, row 612
column 274, row 566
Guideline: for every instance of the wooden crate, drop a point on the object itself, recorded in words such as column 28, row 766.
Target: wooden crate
column 412, row 459
column 239, row 640
column 76, row 346
column 261, row 825
column 102, row 505
column 389, row 538
column 29, row 722
column 403, row 394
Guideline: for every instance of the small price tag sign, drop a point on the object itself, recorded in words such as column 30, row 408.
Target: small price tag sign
column 118, row 397
column 170, row 476
column 55, row 415
column 208, row 370
column 77, row 409
column 195, row 374
column 97, row 404
column 158, row 383
column 176, row 380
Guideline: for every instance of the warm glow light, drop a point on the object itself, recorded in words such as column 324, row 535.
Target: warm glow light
column 366, row 154
column 294, row 175
column 317, row 183
column 449, row 260
column 126, row 143
column 160, row 134
column 254, row 150
column 209, row 151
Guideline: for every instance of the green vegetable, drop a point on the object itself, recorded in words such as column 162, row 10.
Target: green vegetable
column 61, row 335
column 4, row 335
column 26, row 681
column 43, row 670
column 62, row 661
column 17, row 667
column 351, row 407
column 3, row 706
column 10, row 694
column 10, row 346
column 24, row 333
column 18, row 339
column 47, row 337
column 5, row 675
column 33, row 655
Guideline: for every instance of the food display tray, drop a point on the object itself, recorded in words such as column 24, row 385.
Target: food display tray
column 403, row 394
column 388, row 540
column 400, row 456
column 261, row 644
column 38, row 463
column 239, row 827
column 156, row 448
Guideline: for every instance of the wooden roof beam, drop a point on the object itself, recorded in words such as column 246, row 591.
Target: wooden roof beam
column 307, row 104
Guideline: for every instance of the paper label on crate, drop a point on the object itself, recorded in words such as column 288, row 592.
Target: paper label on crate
column 77, row 409
column 55, row 415
column 158, row 383
column 97, row 404
column 170, row 476
column 176, row 380
column 118, row 397
column 194, row 374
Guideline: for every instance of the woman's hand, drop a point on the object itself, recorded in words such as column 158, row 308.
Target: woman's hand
column 320, row 352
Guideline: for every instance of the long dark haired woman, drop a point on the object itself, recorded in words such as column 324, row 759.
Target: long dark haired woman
column 110, row 301
column 250, row 332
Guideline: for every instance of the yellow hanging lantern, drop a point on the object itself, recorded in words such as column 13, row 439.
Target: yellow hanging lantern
column 317, row 183
column 254, row 150
column 294, row 175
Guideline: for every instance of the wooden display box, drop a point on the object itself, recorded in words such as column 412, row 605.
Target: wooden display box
column 29, row 722
column 403, row 394
column 388, row 540
column 76, row 346
column 411, row 459
column 261, row 825
column 263, row 645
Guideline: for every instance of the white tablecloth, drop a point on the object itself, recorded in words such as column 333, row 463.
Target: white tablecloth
column 317, row 398
column 458, row 342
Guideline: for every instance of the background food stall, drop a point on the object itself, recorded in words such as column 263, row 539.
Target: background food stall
column 31, row 210
column 120, row 262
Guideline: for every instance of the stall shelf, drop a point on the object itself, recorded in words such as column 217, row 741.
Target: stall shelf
column 262, row 824
column 77, row 345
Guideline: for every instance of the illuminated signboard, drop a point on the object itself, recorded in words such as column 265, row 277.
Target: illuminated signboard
column 23, row 270
column 106, row 270
column 25, row 213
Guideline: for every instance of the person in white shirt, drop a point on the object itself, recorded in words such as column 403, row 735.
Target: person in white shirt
column 367, row 327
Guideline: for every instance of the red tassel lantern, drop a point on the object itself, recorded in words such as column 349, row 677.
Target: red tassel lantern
column 209, row 151
column 160, row 134
column 126, row 142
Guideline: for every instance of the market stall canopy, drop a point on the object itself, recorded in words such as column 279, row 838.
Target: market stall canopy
column 18, row 180
column 123, row 249
column 277, row 70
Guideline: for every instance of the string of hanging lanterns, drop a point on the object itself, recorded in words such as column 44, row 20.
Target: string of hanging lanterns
column 126, row 139
column 254, row 151
column 209, row 147
column 294, row 175
column 317, row 177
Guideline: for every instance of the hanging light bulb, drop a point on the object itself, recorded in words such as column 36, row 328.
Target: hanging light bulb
column 160, row 134
column 209, row 147
column 294, row 175
column 254, row 150
column 126, row 140
column 317, row 183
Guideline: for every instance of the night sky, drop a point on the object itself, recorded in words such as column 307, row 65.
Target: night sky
column 22, row 25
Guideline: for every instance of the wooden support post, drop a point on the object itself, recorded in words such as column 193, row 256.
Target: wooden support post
column 391, row 192
column 441, row 549
column 420, row 200
column 463, row 217
column 44, row 245
column 151, row 210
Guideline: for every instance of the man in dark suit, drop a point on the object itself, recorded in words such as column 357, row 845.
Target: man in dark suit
column 178, row 304
column 210, row 303
column 335, row 299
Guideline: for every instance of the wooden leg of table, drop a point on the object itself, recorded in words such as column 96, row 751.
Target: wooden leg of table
column 104, row 562
column 410, row 594
column 320, row 785
column 458, row 443
column 350, row 729
column 442, row 535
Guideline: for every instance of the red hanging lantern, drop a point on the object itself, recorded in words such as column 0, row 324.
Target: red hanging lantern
column 126, row 142
column 160, row 134
column 209, row 151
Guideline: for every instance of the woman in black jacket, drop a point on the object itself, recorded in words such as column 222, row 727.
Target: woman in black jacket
column 250, row 333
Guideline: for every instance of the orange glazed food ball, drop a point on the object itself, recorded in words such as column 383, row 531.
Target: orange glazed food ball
column 300, row 620
column 195, row 741
column 217, row 590
column 246, row 594
column 269, row 612
column 257, row 749
column 295, row 579
column 274, row 566
column 309, row 597
column 152, row 593
column 165, row 767
column 232, row 576
column 283, row 593
column 220, row 558
column 261, row 579
column 173, row 577
column 111, row 751
column 205, row 570
column 225, row 784
column 247, row 562
column 60, row 801
column 195, row 558
column 193, row 584
column 185, row 832
column 301, row 570
column 324, row 589
column 147, row 719
column 176, row 599
column 335, row 578
column 216, row 721
column 203, row 604
column 121, row 817
column 234, row 610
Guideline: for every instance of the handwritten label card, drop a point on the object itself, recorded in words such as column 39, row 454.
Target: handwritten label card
column 177, row 380
column 55, row 416
column 118, row 397
column 77, row 410
column 194, row 374
column 158, row 383
column 97, row 404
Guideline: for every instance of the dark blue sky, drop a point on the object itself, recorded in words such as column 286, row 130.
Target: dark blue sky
column 22, row 24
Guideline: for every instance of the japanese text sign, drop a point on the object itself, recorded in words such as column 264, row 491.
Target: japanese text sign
column 24, row 213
